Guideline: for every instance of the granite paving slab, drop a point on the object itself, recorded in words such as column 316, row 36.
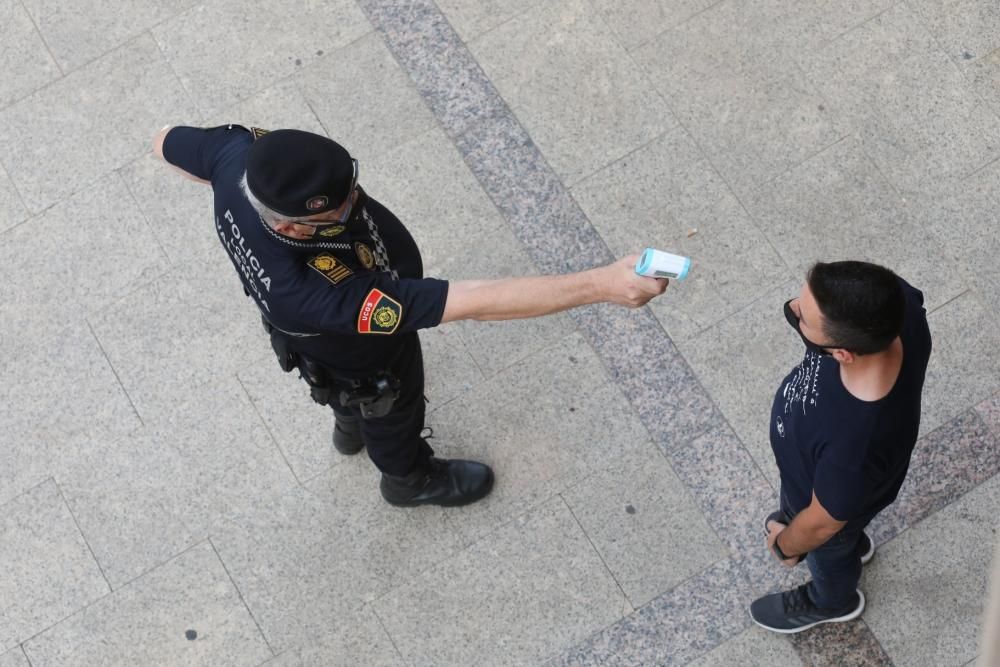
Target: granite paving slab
column 307, row 560
column 918, row 117
column 143, row 498
column 525, row 592
column 573, row 86
column 48, row 569
column 14, row 658
column 49, row 285
column 78, row 33
column 230, row 67
column 507, row 421
column 935, row 575
column 28, row 63
column 649, row 531
column 131, row 89
column 668, row 196
column 356, row 639
column 186, row 612
column 12, row 208
column 850, row 644
column 472, row 18
column 754, row 648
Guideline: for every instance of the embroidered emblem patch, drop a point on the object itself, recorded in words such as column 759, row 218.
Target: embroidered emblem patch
column 333, row 230
column 365, row 255
column 316, row 203
column 331, row 268
column 380, row 314
column 258, row 132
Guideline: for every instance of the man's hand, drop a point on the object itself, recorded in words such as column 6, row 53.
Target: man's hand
column 621, row 284
column 774, row 529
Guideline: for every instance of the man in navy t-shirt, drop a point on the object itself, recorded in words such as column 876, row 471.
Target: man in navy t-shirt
column 843, row 426
column 340, row 287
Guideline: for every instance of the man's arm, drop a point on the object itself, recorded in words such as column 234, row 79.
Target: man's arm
column 810, row 528
column 158, row 151
column 534, row 296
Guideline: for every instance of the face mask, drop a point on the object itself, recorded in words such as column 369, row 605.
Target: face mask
column 793, row 322
column 334, row 228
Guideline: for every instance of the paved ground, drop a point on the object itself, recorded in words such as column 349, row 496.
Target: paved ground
column 168, row 496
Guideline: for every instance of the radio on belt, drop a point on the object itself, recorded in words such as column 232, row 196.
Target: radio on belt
column 659, row 264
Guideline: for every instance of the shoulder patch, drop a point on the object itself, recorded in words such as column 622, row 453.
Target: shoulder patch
column 258, row 132
column 332, row 268
column 380, row 314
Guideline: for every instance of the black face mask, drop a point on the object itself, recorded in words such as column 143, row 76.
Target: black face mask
column 794, row 322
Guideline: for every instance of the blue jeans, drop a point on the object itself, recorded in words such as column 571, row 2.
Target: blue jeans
column 836, row 564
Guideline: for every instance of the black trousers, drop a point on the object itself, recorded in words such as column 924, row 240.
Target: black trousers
column 394, row 443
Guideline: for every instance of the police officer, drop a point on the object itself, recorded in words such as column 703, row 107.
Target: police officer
column 340, row 287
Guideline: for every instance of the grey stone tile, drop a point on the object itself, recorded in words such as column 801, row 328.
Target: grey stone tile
column 191, row 325
column 280, row 106
column 48, row 570
column 78, row 33
column 984, row 76
column 635, row 22
column 12, row 209
column 28, row 65
column 648, row 529
column 148, row 621
column 231, row 66
column 754, row 115
column 754, row 648
column 356, row 639
column 364, row 76
column 14, row 658
column 309, row 559
column 449, row 79
column 179, row 212
column 49, row 286
column 559, row 58
column 655, row 378
column 471, row 18
column 840, row 189
column 542, row 424
column 449, row 369
column 679, row 626
column 909, row 589
column 659, row 194
column 461, row 237
column 966, row 29
column 947, row 463
column 989, row 411
column 849, row 644
column 301, row 428
column 964, row 367
column 916, row 114
column 58, row 140
column 542, row 213
column 742, row 361
column 527, row 591
column 59, row 396
column 143, row 498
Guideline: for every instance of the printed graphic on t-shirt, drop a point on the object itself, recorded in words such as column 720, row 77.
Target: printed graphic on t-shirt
column 801, row 391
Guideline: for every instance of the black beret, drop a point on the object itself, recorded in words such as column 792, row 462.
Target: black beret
column 298, row 173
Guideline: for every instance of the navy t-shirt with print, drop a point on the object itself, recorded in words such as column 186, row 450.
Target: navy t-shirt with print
column 343, row 299
column 852, row 453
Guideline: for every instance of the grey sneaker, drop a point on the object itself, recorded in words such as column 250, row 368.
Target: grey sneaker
column 793, row 611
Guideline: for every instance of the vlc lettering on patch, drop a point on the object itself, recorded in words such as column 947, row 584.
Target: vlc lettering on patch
column 380, row 314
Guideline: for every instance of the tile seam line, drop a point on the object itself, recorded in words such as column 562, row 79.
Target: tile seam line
column 267, row 428
column 239, row 592
column 381, row 624
column 48, row 49
column 113, row 592
column 76, row 522
column 114, row 371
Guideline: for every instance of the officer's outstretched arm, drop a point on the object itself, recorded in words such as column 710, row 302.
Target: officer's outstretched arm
column 533, row 296
column 158, row 151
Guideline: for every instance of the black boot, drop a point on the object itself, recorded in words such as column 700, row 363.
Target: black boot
column 448, row 483
column 347, row 435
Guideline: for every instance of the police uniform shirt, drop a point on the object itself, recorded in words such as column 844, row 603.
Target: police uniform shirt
column 344, row 297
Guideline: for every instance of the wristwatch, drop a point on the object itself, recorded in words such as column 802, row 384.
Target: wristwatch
column 777, row 550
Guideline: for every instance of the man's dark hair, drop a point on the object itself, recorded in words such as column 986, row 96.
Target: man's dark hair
column 863, row 304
